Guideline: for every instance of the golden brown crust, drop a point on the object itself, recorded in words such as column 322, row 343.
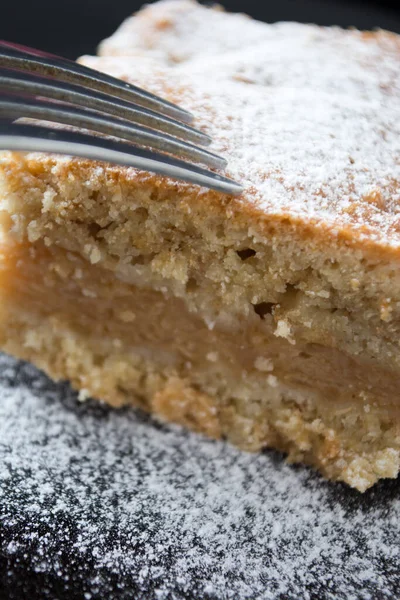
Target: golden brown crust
column 318, row 234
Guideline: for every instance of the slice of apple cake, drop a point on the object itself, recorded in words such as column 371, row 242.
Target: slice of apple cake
column 271, row 318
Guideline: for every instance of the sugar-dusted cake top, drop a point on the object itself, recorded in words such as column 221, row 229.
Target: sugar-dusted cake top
column 308, row 117
column 174, row 31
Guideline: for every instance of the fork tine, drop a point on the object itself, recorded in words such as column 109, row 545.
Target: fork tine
column 26, row 83
column 22, row 57
column 29, row 138
column 16, row 107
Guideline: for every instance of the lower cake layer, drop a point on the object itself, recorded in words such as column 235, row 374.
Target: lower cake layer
column 131, row 345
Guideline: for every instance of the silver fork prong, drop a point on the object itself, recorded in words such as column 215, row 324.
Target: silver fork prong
column 12, row 107
column 21, row 57
column 25, row 83
column 21, row 137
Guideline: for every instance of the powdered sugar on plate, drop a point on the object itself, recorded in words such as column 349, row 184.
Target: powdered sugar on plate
column 98, row 503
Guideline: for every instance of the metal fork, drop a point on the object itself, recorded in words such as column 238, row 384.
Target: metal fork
column 153, row 134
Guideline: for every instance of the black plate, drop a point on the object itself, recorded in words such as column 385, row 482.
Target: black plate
column 101, row 504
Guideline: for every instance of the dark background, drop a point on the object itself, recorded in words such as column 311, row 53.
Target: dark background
column 74, row 27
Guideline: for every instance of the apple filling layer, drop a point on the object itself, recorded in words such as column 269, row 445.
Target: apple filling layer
column 249, row 382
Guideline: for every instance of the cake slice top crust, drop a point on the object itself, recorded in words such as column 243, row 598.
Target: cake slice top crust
column 306, row 116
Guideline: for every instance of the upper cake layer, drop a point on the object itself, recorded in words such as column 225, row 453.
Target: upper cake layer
column 306, row 116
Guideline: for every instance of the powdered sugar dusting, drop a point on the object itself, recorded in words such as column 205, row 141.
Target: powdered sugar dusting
column 173, row 31
column 306, row 116
column 108, row 504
